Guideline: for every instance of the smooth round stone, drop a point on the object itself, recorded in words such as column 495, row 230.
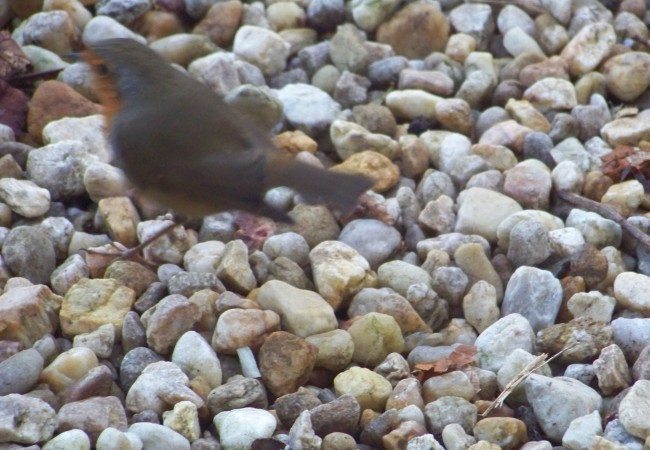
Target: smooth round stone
column 237, row 328
column 511, row 16
column 69, row 440
column 25, row 197
column 114, row 439
column 239, row 428
column 68, row 367
column 19, row 373
column 290, row 244
column 339, row 272
column 373, row 239
column 554, row 417
column 399, row 275
column 261, row 47
column 633, row 410
column 542, row 293
column 308, row 108
column 582, row 431
column 502, row 338
column 529, row 183
column 475, row 20
column 450, row 410
column 410, row 104
column 104, row 27
column 473, row 261
column 549, row 221
column 631, row 291
column 529, row 244
column 368, row 15
column 455, row 384
column 301, row 312
column 626, row 75
column 482, row 210
column 375, row 336
column 335, row 349
column 596, row 230
column 204, row 256
column 370, row 389
column 592, row 304
column 194, row 355
column 480, row 306
column 517, row 41
column 452, row 149
column 158, row 436
column 551, row 94
column 568, row 176
column 625, row 196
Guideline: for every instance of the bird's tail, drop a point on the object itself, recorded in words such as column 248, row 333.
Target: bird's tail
column 316, row 185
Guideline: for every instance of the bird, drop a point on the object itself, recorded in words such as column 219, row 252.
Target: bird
column 184, row 147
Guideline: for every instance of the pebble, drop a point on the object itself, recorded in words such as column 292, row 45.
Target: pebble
column 482, row 210
column 168, row 320
column 91, row 303
column 350, row 138
column 286, row 362
column 370, row 389
column 25, row 197
column 450, row 410
column 20, row 373
column 159, row 386
column 240, row 428
column 339, row 272
column 554, row 417
column 511, row 332
column 28, row 313
column 335, row 349
column 541, row 289
column 114, row 439
column 596, row 230
column 153, row 435
column 29, row 420
column 28, row 252
column 375, row 336
column 464, row 106
column 582, row 431
column 307, row 108
column 237, row 328
column 92, row 416
column 72, row 439
column 194, row 355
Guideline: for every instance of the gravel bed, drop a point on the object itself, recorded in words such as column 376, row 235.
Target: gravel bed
column 506, row 227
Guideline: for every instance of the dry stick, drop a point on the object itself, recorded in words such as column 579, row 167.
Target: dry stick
column 535, row 364
column 606, row 212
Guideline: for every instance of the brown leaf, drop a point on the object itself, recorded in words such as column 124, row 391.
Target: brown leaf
column 616, row 162
column 463, row 355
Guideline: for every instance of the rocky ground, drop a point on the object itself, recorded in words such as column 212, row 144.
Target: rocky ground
column 507, row 226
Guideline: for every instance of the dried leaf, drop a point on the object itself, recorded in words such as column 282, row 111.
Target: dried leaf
column 463, row 355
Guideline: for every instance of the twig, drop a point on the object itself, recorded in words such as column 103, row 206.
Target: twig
column 607, row 213
column 535, row 364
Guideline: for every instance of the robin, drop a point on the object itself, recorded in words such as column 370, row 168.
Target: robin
column 184, row 147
